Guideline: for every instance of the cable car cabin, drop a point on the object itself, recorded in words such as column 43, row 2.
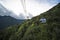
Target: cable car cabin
column 43, row 20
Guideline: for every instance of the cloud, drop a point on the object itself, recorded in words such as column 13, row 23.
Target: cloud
column 5, row 12
column 34, row 7
column 22, row 16
column 49, row 1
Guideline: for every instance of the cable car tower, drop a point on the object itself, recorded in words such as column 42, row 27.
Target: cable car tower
column 23, row 2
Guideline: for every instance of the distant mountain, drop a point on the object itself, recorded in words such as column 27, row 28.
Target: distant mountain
column 6, row 21
column 6, row 18
column 35, row 30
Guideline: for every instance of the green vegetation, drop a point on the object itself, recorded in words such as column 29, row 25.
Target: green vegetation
column 6, row 21
column 35, row 30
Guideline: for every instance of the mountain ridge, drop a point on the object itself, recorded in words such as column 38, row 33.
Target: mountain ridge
column 35, row 30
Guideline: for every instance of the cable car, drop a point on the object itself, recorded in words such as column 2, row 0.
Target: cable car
column 43, row 20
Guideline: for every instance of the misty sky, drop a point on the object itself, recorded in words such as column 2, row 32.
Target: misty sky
column 34, row 7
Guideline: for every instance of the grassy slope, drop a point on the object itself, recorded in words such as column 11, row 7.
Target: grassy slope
column 34, row 30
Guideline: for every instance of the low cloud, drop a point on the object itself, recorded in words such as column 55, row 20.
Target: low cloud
column 34, row 7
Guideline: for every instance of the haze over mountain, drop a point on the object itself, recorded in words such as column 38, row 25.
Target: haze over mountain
column 4, row 11
column 33, row 29
column 8, row 18
column 34, row 7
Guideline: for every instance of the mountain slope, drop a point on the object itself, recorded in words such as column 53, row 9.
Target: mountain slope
column 35, row 30
column 6, row 21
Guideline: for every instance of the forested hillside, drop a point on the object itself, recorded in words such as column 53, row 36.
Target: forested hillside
column 35, row 30
column 6, row 21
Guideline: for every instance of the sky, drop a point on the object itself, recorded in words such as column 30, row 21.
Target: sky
column 33, row 7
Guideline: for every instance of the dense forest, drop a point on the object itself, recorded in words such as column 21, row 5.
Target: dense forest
column 33, row 29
